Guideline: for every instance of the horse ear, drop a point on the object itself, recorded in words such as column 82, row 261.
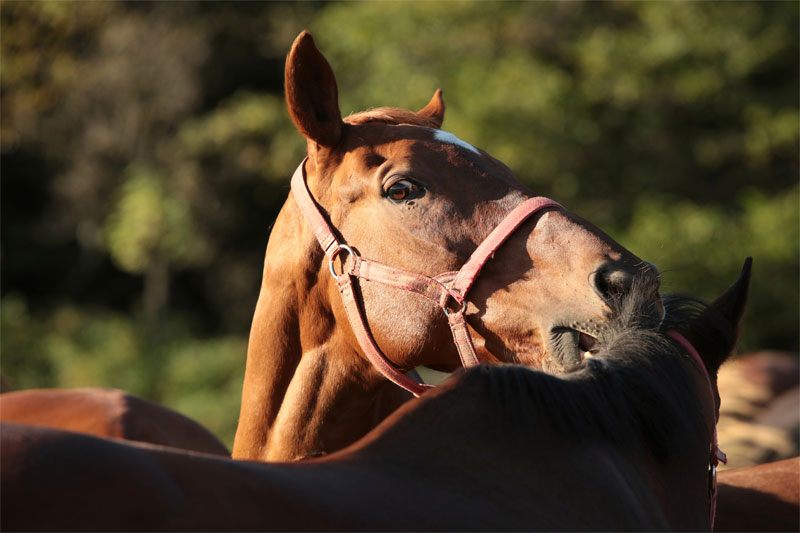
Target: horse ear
column 728, row 310
column 311, row 93
column 434, row 111
column 733, row 301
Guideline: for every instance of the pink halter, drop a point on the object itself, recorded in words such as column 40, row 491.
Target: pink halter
column 440, row 289
column 717, row 455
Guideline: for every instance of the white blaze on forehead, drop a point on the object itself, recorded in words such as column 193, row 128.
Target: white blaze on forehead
column 449, row 138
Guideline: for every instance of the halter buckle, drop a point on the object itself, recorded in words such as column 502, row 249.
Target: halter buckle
column 335, row 255
column 447, row 311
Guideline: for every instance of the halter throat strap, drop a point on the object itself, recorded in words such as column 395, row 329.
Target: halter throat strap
column 443, row 289
column 716, row 456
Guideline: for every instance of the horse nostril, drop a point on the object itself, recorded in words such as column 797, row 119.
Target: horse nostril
column 612, row 281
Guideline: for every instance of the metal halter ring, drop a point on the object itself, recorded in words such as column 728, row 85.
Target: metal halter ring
column 712, row 478
column 330, row 262
column 463, row 307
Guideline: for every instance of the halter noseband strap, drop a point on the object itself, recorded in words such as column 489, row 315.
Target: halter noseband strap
column 439, row 289
column 717, row 456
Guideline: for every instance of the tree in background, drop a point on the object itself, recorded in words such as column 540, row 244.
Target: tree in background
column 146, row 150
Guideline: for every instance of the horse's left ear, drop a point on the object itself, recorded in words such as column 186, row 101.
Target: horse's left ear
column 434, row 111
column 733, row 301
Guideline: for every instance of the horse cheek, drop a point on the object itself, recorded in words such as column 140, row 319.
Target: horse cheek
column 405, row 325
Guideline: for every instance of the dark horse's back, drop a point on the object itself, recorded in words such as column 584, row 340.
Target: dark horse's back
column 54, row 480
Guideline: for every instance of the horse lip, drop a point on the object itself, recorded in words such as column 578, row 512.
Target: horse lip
column 586, row 342
column 570, row 346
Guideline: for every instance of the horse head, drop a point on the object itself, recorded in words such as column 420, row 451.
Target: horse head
column 408, row 194
column 400, row 191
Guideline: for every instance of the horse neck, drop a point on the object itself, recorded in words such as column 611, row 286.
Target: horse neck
column 680, row 480
column 300, row 365
column 675, row 422
column 463, row 431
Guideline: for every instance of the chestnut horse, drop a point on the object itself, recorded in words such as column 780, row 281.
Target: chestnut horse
column 108, row 413
column 620, row 443
column 398, row 204
column 764, row 497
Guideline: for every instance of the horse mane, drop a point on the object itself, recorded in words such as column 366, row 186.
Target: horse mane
column 391, row 115
column 636, row 391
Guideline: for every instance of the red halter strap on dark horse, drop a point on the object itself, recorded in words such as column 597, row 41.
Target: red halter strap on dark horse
column 717, row 456
column 440, row 289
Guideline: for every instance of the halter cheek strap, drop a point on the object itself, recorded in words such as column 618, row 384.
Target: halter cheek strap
column 717, row 456
column 445, row 289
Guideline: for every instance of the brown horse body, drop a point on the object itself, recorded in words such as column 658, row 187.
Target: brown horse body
column 621, row 443
column 760, row 498
column 108, row 413
column 400, row 191
column 759, row 420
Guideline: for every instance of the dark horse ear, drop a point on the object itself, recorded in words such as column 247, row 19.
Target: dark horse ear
column 311, row 93
column 434, row 111
column 733, row 301
column 730, row 306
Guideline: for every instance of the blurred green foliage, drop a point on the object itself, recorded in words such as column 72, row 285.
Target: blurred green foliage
column 146, row 221
column 146, row 151
column 702, row 247
column 74, row 346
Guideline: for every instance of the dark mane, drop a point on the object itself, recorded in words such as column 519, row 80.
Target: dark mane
column 391, row 115
column 712, row 335
column 637, row 389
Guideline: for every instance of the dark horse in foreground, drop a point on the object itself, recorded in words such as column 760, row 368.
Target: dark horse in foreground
column 622, row 443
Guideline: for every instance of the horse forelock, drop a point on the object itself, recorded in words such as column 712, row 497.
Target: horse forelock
column 391, row 115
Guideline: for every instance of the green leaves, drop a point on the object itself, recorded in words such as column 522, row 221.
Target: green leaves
column 702, row 248
column 79, row 347
column 147, row 221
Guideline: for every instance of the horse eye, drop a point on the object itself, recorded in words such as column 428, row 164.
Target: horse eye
column 402, row 190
